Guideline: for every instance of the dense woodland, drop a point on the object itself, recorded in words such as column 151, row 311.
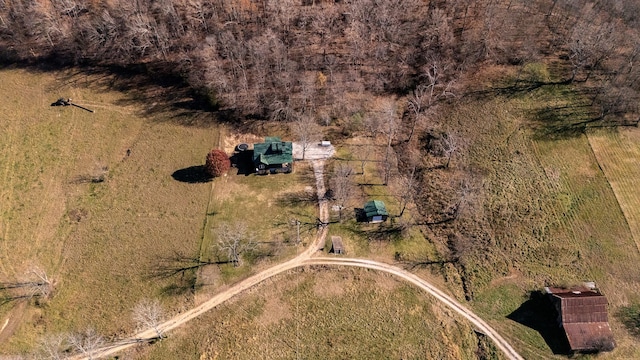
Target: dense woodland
column 382, row 66
column 278, row 59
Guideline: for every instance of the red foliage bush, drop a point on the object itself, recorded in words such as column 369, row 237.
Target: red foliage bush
column 217, row 163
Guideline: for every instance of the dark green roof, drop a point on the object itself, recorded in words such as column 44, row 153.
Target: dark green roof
column 272, row 139
column 272, row 152
column 375, row 208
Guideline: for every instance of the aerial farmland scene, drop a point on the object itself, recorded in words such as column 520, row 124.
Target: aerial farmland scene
column 319, row 179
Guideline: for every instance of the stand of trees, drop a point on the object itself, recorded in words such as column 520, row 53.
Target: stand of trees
column 275, row 58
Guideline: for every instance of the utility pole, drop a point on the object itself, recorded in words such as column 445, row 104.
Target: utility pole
column 297, row 223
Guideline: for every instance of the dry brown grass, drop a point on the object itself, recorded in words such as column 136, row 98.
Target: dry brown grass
column 107, row 243
column 618, row 151
column 361, row 320
column 99, row 241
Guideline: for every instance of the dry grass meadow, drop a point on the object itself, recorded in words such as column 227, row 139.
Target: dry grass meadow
column 561, row 217
column 325, row 313
column 109, row 244
column 618, row 152
column 558, row 207
column 99, row 241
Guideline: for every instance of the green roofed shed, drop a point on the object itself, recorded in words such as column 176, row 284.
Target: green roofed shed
column 375, row 211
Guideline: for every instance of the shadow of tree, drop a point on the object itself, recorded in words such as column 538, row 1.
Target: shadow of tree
column 192, row 175
column 243, row 161
column 178, row 265
column 538, row 314
column 297, row 198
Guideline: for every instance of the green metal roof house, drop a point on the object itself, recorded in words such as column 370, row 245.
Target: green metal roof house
column 375, row 211
column 273, row 156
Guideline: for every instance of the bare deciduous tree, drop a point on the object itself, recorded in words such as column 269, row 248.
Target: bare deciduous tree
column 307, row 131
column 390, row 125
column 450, row 145
column 149, row 314
column 406, row 189
column 589, row 45
column 235, row 239
column 362, row 152
column 87, row 342
column 51, row 347
column 342, row 186
column 39, row 283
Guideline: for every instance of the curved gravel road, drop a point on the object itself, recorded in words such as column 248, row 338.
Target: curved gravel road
column 305, row 259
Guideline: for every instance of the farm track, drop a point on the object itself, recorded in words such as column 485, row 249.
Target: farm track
column 306, row 259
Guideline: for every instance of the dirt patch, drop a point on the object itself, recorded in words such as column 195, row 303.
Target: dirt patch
column 511, row 278
column 386, row 282
column 233, row 139
column 332, row 284
column 274, row 311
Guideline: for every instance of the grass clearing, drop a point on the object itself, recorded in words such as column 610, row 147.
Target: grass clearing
column 107, row 243
column 328, row 313
column 618, row 151
column 554, row 218
column 100, row 241
column 269, row 205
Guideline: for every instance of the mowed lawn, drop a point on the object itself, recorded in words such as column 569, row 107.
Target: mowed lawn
column 618, row 153
column 100, row 242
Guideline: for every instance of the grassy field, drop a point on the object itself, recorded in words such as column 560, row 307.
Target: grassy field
column 549, row 206
column 330, row 313
column 108, row 244
column 99, row 241
column 618, row 152
column 548, row 210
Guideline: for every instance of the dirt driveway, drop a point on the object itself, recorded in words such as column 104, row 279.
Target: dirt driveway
column 314, row 151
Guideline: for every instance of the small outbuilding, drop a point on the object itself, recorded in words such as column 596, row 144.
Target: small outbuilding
column 582, row 315
column 375, row 211
column 273, row 156
column 336, row 245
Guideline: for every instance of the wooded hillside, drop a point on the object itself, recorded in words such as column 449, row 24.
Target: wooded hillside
column 276, row 59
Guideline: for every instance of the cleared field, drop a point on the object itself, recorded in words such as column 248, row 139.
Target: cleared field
column 618, row 153
column 330, row 313
column 99, row 240
column 548, row 213
column 111, row 205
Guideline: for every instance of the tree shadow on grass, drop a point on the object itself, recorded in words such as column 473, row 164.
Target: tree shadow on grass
column 538, row 314
column 192, row 175
column 182, row 269
column 297, row 198
column 243, row 161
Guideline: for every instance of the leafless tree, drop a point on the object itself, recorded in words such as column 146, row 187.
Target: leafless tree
column 38, row 283
column 450, row 146
column 362, row 152
column 589, row 45
column 149, row 314
column 87, row 342
column 235, row 239
column 415, row 104
column 51, row 347
column 390, row 123
column 307, row 131
column 282, row 111
column 342, row 186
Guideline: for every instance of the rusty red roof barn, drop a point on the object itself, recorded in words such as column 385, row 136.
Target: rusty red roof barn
column 582, row 313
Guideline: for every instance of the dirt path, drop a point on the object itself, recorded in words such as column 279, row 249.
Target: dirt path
column 306, row 259
column 13, row 319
